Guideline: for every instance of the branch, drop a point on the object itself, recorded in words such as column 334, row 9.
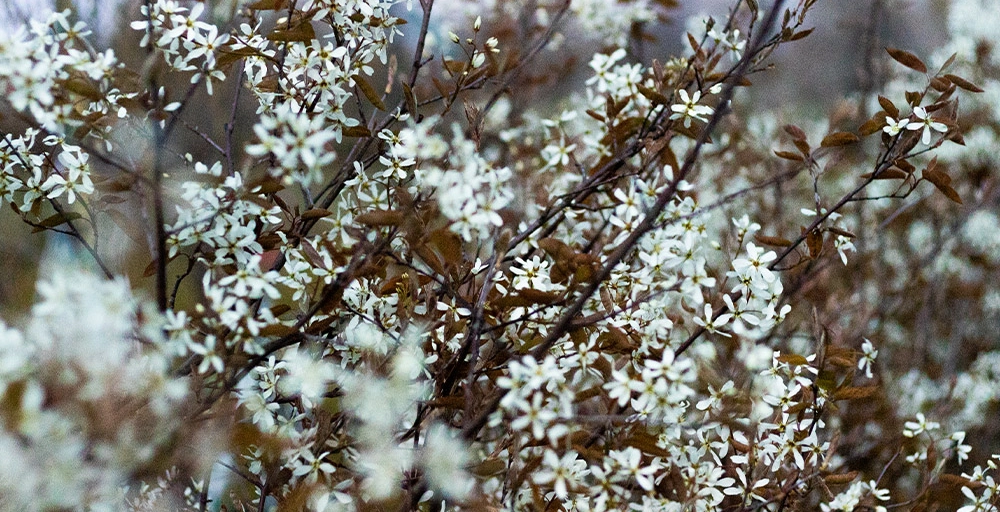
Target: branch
column 649, row 221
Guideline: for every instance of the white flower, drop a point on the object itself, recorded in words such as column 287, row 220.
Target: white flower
column 713, row 324
column 689, row 109
column 868, row 358
column 893, row 127
column 915, row 428
column 926, row 123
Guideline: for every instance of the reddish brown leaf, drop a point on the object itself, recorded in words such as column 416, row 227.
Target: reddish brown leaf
column 963, row 83
column 795, row 132
column 888, row 106
column 788, row 155
column 800, row 34
column 803, row 147
column 380, row 218
column 841, row 232
column 814, row 241
column 907, row 59
column 839, row 139
column 369, row 91
column 793, row 359
column 844, row 478
column 892, row 173
column 316, row 213
column 873, row 125
column 774, row 241
column 303, row 33
column 854, row 393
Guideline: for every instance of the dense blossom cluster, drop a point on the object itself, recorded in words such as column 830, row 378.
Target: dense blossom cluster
column 405, row 286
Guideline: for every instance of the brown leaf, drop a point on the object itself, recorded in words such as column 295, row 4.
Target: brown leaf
column 800, row 34
column 795, row 132
column 843, row 478
column 315, row 259
column 842, row 362
column 302, row 32
column 693, row 42
column 455, row 67
column 538, row 297
column 892, row 173
column 963, row 83
column 873, row 125
column 788, row 155
column 227, row 55
column 316, row 213
column 940, row 84
column 839, row 139
column 888, row 106
column 854, row 393
column 267, row 5
column 369, row 91
column 380, row 218
column 596, row 115
column 959, row 481
column 56, row 220
column 906, row 166
column 907, row 59
column 774, row 241
column 490, row 466
column 448, row 244
column 814, row 241
column 793, row 359
column 430, row 258
column 841, row 232
column 557, row 249
column 652, row 95
column 357, row 131
column 949, row 192
column 803, row 147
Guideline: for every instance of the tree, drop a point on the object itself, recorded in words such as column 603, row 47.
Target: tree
column 406, row 281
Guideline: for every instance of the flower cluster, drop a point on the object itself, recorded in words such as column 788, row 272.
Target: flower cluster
column 414, row 276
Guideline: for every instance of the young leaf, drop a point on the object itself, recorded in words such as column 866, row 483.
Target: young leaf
column 380, row 218
column 793, row 359
column 369, row 92
column 907, row 59
column 316, row 213
column 839, row 139
column 267, row 5
column 302, row 33
column 892, row 173
column 844, row 478
column 814, row 242
column 873, row 125
column 356, row 131
column 788, row 155
column 795, row 132
column 854, row 393
column 935, row 177
column 411, row 100
column 888, row 106
column 775, row 241
column 940, row 84
column 963, row 83
column 800, row 34
column 56, row 220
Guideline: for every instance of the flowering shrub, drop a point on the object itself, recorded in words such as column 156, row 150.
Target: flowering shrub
column 407, row 274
